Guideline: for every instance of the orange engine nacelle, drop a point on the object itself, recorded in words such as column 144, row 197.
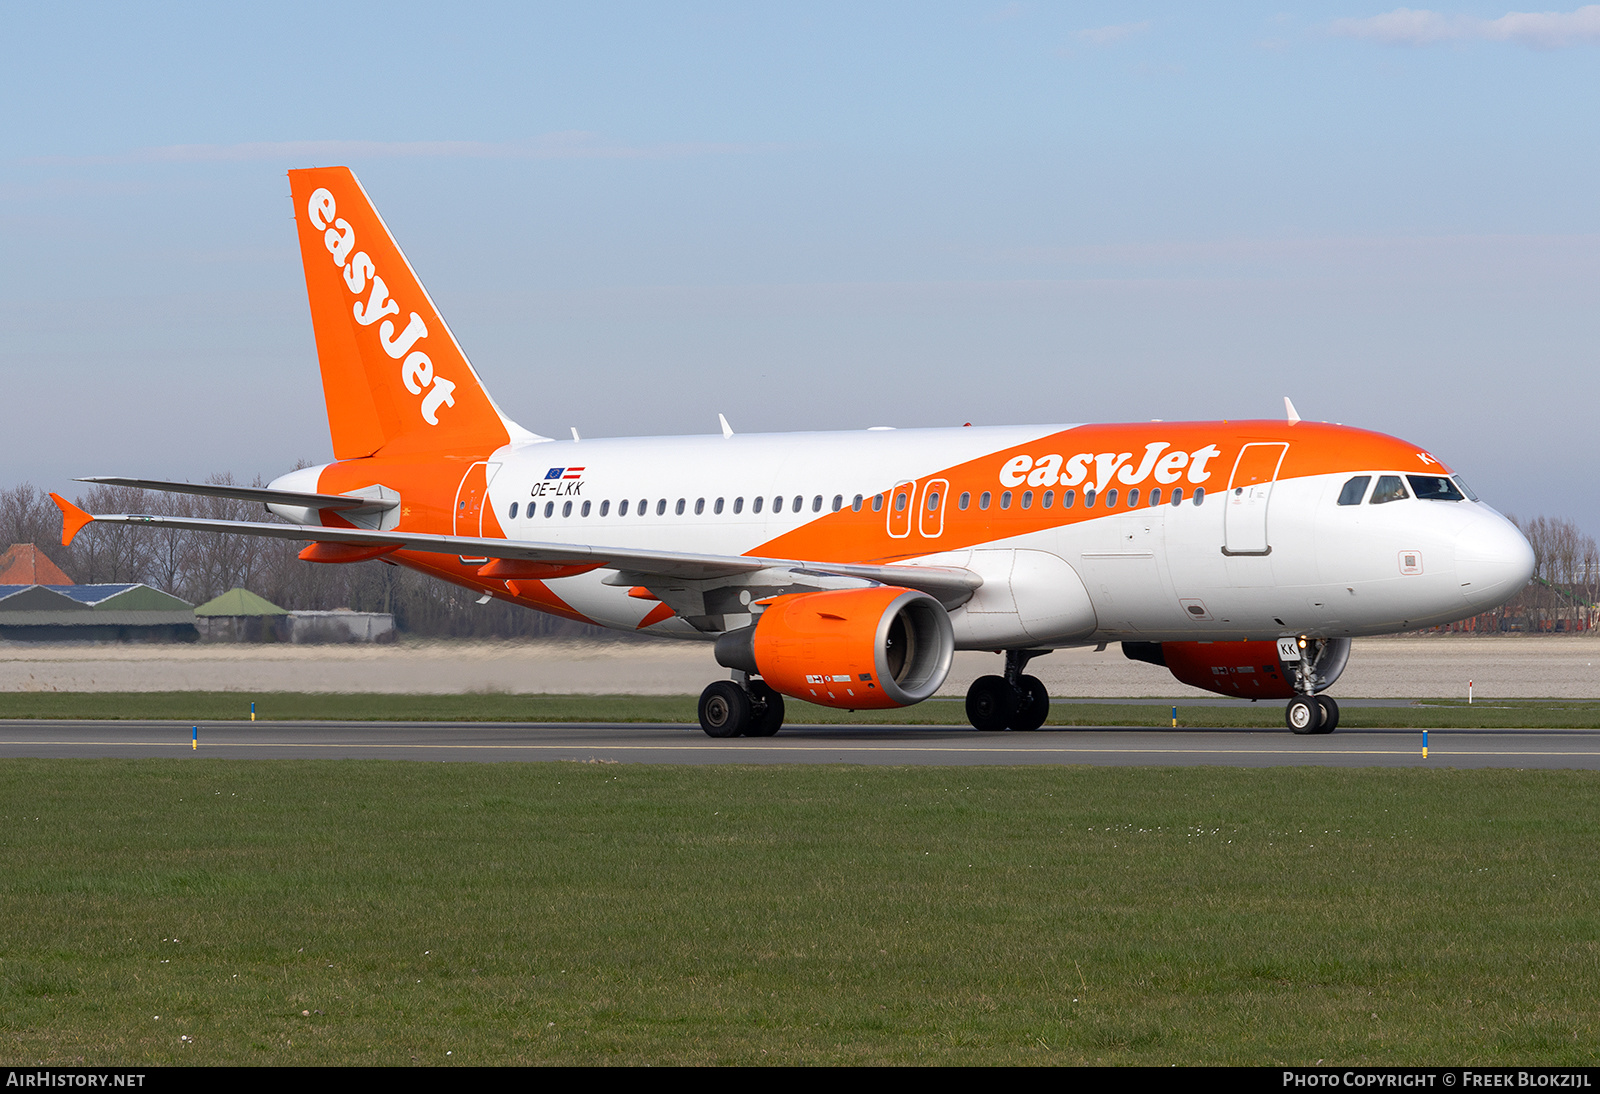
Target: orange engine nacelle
column 1249, row 670
column 857, row 649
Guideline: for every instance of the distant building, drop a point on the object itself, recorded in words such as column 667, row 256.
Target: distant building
column 25, row 564
column 39, row 603
column 341, row 625
column 239, row 615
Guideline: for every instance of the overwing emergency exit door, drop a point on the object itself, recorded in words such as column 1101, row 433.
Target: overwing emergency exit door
column 1244, row 517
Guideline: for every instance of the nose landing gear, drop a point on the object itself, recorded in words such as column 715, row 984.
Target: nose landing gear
column 1309, row 712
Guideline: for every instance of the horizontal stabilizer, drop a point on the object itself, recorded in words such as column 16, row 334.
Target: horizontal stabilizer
column 249, row 493
column 72, row 519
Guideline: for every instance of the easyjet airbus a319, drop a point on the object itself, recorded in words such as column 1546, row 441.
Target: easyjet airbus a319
column 847, row 568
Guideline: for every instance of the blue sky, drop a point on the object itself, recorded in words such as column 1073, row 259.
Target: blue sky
column 817, row 216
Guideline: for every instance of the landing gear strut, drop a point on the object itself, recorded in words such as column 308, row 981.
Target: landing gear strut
column 740, row 707
column 1309, row 712
column 1012, row 701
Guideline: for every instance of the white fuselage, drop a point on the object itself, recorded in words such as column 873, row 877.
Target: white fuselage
column 1147, row 572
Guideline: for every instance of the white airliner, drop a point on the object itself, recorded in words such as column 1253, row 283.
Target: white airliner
column 847, row 568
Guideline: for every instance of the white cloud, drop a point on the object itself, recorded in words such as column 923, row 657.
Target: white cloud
column 1414, row 27
column 1105, row 36
column 551, row 146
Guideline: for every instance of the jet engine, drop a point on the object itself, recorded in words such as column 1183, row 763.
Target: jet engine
column 1249, row 670
column 857, row 649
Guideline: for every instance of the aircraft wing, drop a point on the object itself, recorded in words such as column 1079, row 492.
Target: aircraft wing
column 945, row 583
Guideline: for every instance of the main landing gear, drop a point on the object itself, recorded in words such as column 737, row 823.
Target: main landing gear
column 740, row 707
column 1012, row 701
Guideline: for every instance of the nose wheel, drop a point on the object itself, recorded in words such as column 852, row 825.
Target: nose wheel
column 1308, row 714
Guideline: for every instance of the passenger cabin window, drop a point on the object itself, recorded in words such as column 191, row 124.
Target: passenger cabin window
column 816, row 504
column 755, row 506
column 677, row 510
column 1199, row 495
column 965, row 499
column 1088, row 499
column 1048, row 500
column 585, row 509
column 933, row 501
column 1177, row 496
column 699, row 506
column 1434, row 488
column 605, row 507
column 549, row 507
column 513, row 510
column 1354, row 490
column 1389, row 488
column 838, row 502
column 1005, row 499
column 1027, row 499
column 855, row 504
column 1155, row 496
column 738, row 505
column 983, row 500
column 877, row 503
column 717, row 508
column 1111, row 498
column 1133, row 498
column 1069, row 498
column 566, row 509
column 661, row 507
column 800, row 503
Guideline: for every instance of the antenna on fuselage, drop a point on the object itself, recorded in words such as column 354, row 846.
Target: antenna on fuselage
column 1288, row 407
column 727, row 430
column 575, row 433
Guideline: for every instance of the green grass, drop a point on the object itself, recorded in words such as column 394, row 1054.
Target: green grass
column 387, row 913
column 217, row 706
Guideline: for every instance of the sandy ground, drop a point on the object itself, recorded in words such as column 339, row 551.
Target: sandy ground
column 1500, row 667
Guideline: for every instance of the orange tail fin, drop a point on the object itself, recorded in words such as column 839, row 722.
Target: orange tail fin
column 392, row 374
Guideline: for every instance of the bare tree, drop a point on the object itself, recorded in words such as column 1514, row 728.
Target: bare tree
column 27, row 515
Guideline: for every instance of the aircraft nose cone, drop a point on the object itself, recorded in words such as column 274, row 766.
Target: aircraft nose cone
column 1493, row 561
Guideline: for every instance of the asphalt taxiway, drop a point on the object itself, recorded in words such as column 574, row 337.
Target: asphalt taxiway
column 479, row 742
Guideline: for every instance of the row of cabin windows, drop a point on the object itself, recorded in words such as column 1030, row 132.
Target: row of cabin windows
column 1069, row 498
column 1393, row 488
column 797, row 505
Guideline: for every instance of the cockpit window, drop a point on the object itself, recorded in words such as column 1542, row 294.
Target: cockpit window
column 1434, row 488
column 1354, row 490
column 1465, row 489
column 1389, row 488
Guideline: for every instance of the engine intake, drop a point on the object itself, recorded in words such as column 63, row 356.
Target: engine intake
column 856, row 649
